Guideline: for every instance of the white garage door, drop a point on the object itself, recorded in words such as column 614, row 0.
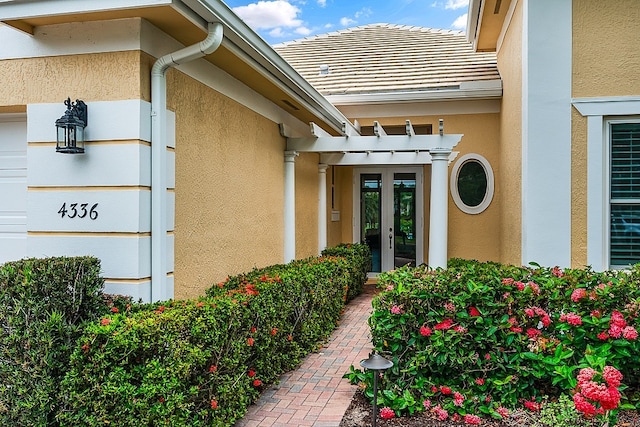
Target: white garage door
column 13, row 187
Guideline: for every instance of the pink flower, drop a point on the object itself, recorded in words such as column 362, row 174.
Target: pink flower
column 480, row 381
column 615, row 331
column 516, row 329
column 426, row 404
column 396, row 309
column 460, row 329
column 441, row 413
column 503, row 412
column 434, row 389
column 487, row 356
column 474, row 312
column 533, row 333
column 513, row 321
column 612, row 376
column 458, row 399
column 534, row 288
column 532, row 405
column 507, row 281
column 387, row 413
column 587, row 408
column 617, row 319
column 425, row 331
column 585, row 374
column 578, row 294
column 520, row 286
column 603, row 336
column 629, row 333
column 529, row 312
column 556, row 271
column 571, row 318
column 450, row 307
column 472, row 419
column 596, row 313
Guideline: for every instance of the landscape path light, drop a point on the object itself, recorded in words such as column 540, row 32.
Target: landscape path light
column 376, row 363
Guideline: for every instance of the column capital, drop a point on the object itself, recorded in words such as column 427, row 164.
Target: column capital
column 322, row 167
column 290, row 156
column 440, row 153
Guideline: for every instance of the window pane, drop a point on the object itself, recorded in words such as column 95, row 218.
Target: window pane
column 370, row 211
column 625, row 161
column 625, row 235
column 472, row 183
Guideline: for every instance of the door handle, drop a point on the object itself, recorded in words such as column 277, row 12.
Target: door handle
column 390, row 238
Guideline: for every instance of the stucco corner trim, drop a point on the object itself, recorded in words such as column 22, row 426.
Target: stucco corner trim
column 607, row 106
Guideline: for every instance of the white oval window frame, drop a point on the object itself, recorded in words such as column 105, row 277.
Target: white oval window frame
column 488, row 195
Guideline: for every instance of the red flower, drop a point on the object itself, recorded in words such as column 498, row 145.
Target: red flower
column 445, row 390
column 114, row 309
column 445, row 324
column 214, row 404
column 387, row 413
column 250, row 341
column 290, row 337
column 480, row 381
column 85, row 347
column 257, row 383
column 425, row 331
column 199, row 304
column 532, row 405
column 213, row 368
column 105, row 321
column 274, row 331
column 251, row 373
column 474, row 312
column 253, row 330
column 472, row 419
column 161, row 400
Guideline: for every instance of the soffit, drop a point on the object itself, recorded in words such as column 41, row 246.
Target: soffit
column 170, row 20
column 492, row 19
column 383, row 58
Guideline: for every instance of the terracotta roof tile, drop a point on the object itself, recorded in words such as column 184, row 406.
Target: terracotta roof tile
column 388, row 58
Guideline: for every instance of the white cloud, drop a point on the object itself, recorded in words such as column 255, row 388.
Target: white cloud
column 456, row 4
column 303, row 31
column 322, row 3
column 269, row 14
column 277, row 32
column 460, row 23
column 365, row 12
column 327, row 26
column 345, row 22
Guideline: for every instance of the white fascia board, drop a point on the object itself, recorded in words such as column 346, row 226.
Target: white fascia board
column 21, row 9
column 396, row 143
column 473, row 23
column 607, row 106
column 488, row 89
column 257, row 53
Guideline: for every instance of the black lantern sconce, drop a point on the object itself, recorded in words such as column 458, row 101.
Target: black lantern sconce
column 70, row 128
column 376, row 363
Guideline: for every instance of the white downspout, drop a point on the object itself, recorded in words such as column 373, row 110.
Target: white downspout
column 159, row 155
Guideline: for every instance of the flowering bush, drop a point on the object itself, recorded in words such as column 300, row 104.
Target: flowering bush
column 510, row 334
column 202, row 362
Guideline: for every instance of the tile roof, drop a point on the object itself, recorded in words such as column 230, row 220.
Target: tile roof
column 382, row 58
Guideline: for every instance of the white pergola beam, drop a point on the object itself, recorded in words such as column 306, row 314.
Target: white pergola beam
column 318, row 132
column 409, row 128
column 328, row 144
column 378, row 130
column 349, row 130
column 377, row 158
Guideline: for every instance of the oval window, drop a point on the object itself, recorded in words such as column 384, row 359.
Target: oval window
column 472, row 183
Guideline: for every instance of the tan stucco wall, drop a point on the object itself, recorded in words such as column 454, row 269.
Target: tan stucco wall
column 229, row 187
column 94, row 77
column 470, row 236
column 509, row 174
column 606, row 60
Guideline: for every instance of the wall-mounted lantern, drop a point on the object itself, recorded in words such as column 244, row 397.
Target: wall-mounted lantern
column 376, row 363
column 70, row 128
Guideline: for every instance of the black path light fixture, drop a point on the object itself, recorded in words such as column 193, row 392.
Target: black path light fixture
column 376, row 363
column 70, row 128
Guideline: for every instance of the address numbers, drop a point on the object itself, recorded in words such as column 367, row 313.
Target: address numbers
column 78, row 210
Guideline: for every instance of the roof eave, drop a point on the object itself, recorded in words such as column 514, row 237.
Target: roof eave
column 488, row 89
column 473, row 22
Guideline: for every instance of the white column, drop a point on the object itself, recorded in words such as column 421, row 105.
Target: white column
column 322, row 207
column 290, row 205
column 438, row 216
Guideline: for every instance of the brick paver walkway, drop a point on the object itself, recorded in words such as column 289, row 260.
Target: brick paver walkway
column 315, row 394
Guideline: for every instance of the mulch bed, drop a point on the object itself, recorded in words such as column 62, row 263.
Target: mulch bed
column 359, row 415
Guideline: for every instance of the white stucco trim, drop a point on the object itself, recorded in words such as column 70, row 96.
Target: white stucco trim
column 546, row 132
column 506, row 24
column 453, row 184
column 596, row 110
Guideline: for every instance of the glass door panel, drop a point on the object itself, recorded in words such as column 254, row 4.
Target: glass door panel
column 404, row 219
column 371, row 215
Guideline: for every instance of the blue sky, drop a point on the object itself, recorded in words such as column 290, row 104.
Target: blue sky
column 283, row 20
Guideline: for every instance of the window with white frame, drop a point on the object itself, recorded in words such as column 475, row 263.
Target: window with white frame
column 624, row 182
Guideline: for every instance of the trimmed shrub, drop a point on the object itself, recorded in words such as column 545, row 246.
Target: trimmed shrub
column 479, row 338
column 43, row 302
column 202, row 362
column 359, row 257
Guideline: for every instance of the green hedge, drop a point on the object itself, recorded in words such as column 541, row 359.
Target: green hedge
column 359, row 256
column 202, row 362
column 500, row 335
column 43, row 302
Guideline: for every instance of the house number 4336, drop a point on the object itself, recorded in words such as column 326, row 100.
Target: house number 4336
column 79, row 210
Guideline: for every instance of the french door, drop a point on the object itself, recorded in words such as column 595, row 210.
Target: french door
column 388, row 215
